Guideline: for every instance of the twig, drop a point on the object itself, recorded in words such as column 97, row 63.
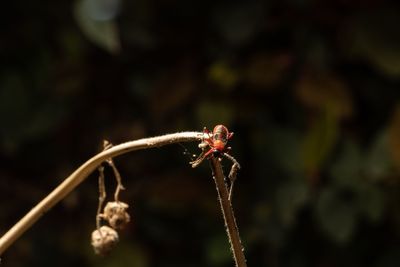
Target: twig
column 102, row 197
column 117, row 175
column 79, row 175
column 227, row 212
column 232, row 174
column 118, row 178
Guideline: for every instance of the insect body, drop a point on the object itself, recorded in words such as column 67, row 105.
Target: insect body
column 217, row 141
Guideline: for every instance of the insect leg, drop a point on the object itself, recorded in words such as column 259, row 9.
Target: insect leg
column 197, row 161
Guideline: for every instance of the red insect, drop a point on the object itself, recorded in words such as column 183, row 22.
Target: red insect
column 216, row 141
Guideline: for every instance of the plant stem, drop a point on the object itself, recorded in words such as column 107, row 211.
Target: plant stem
column 79, row 175
column 227, row 212
column 102, row 197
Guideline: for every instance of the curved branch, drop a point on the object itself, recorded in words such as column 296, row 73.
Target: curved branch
column 78, row 176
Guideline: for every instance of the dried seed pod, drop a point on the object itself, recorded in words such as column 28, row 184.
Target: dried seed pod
column 116, row 215
column 104, row 240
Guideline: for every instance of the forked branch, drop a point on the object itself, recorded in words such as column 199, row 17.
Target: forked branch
column 78, row 176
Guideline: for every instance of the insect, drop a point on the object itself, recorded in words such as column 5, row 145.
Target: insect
column 216, row 142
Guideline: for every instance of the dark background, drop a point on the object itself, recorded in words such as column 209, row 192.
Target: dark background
column 310, row 88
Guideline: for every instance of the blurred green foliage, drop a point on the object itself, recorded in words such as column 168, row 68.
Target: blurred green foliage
column 310, row 88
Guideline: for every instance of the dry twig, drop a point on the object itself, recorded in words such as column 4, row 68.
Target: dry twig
column 227, row 212
column 79, row 175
